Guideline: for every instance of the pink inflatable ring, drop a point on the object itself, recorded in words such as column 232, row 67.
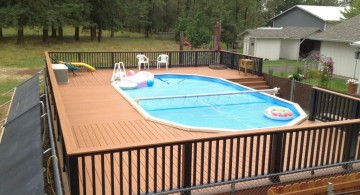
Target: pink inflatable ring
column 278, row 113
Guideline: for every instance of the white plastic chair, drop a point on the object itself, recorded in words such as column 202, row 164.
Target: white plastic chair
column 162, row 59
column 142, row 59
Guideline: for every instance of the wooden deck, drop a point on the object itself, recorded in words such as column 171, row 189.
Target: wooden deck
column 100, row 116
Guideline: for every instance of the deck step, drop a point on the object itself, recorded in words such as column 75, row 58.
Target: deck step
column 261, row 87
column 253, row 83
column 247, row 79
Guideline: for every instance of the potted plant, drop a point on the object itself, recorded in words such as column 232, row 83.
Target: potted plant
column 296, row 77
column 352, row 85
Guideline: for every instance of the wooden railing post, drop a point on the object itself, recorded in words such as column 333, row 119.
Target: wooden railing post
column 351, row 142
column 232, row 60
column 276, row 156
column 170, row 59
column 73, row 174
column 112, row 59
column 221, row 57
column 186, row 167
column 313, row 104
column 354, row 109
column 196, row 58
column 260, row 66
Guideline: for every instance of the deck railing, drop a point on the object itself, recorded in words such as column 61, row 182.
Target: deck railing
column 231, row 59
column 184, row 165
column 181, row 165
column 176, row 58
column 331, row 106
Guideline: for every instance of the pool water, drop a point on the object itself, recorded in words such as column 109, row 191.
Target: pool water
column 221, row 112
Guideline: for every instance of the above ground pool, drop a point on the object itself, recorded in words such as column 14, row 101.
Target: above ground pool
column 196, row 102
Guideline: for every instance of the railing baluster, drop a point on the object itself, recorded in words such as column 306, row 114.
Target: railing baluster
column 138, row 167
column 289, row 140
column 112, row 173
column 102, row 174
column 195, row 164
column 318, row 132
column 295, row 150
column 209, row 163
column 121, row 172
column 171, row 166
column 155, row 169
column 93, row 178
column 330, row 145
column 179, row 167
column 230, row 159
column 263, row 154
column 251, row 156
column 130, row 172
column 257, row 155
column 223, row 160
column 244, row 157
column 237, row 157
column 301, row 151
column 163, row 168
column 83, row 171
column 202, row 163
column 147, row 170
column 216, row 159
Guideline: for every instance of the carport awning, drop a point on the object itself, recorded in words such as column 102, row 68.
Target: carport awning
column 21, row 169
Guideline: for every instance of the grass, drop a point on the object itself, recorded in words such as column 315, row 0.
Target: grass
column 19, row 62
column 283, row 68
column 280, row 63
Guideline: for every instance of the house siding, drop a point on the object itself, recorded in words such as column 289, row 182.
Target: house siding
column 268, row 48
column 298, row 17
column 343, row 56
column 289, row 49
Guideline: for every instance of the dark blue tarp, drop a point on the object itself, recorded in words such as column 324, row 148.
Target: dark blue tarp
column 21, row 169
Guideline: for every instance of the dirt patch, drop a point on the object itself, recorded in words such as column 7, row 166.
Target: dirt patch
column 17, row 73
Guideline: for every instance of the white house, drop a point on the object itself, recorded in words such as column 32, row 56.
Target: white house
column 288, row 37
column 276, row 43
column 335, row 43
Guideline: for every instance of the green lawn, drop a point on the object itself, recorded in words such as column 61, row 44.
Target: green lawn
column 283, row 68
column 19, row 62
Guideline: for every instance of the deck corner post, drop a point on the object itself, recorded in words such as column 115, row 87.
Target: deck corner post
column 112, row 59
column 196, row 58
column 186, row 167
column 276, row 156
column 232, row 60
column 313, row 104
column 351, row 142
column 221, row 57
column 170, row 64
column 260, row 66
column 354, row 109
column 73, row 174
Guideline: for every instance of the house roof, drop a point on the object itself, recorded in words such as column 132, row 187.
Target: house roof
column 325, row 13
column 286, row 32
column 346, row 31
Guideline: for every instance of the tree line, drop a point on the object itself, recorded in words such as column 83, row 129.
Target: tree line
column 195, row 17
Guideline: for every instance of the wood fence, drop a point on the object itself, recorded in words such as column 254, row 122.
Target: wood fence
column 349, row 184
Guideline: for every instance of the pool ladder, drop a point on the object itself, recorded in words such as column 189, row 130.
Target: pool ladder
column 119, row 72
